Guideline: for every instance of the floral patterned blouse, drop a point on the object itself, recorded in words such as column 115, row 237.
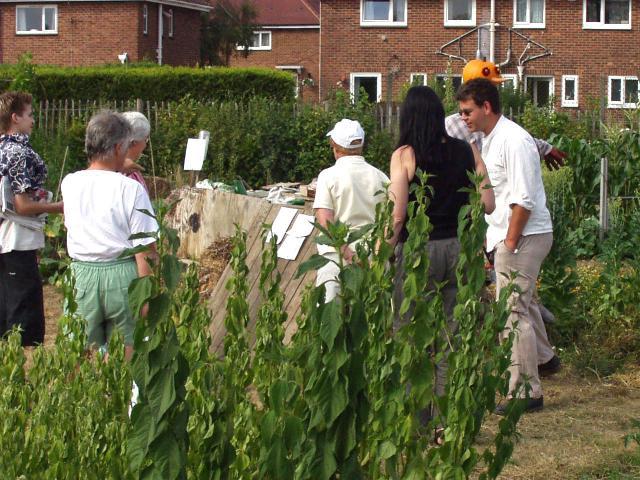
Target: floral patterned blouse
column 18, row 161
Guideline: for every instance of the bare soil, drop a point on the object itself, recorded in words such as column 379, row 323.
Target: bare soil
column 579, row 434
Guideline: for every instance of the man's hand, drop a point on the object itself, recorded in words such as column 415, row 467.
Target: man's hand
column 347, row 254
column 555, row 158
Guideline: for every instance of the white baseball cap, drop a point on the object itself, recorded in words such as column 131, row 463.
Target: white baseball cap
column 345, row 132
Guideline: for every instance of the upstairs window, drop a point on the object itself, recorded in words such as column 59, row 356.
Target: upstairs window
column 36, row 19
column 459, row 13
column 383, row 13
column 528, row 13
column 260, row 40
column 607, row 14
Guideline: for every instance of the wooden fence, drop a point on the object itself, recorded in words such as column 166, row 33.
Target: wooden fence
column 56, row 115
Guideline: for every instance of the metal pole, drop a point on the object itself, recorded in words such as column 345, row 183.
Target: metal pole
column 492, row 33
column 604, row 200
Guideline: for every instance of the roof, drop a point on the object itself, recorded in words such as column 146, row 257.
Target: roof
column 201, row 5
column 289, row 13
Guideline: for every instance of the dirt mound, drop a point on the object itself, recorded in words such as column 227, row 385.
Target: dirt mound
column 212, row 263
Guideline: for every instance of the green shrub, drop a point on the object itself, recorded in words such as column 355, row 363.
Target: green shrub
column 160, row 83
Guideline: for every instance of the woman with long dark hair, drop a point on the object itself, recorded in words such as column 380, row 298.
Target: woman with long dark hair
column 424, row 144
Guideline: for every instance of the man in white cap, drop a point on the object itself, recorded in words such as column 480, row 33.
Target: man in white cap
column 349, row 192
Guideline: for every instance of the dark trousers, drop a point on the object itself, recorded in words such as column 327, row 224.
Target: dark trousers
column 21, row 298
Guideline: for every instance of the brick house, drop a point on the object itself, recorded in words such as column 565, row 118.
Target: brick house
column 378, row 43
column 288, row 39
column 78, row 32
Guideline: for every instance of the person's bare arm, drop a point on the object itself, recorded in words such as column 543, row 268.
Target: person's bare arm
column 486, row 194
column 399, row 193
column 324, row 216
column 142, row 262
column 519, row 218
column 131, row 166
column 25, row 205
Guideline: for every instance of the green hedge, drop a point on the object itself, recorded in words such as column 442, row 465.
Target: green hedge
column 161, row 83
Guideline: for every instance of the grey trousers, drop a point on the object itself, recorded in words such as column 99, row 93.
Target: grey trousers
column 443, row 258
column 525, row 314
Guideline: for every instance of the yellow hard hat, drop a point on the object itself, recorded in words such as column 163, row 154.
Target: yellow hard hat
column 481, row 69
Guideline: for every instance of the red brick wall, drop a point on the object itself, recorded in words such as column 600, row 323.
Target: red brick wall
column 288, row 47
column 591, row 54
column 91, row 33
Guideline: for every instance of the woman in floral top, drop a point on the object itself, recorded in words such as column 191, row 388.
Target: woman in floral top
column 21, row 299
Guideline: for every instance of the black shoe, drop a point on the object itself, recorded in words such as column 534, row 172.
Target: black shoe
column 527, row 404
column 549, row 368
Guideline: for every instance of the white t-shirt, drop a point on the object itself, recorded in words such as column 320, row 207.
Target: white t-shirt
column 101, row 213
column 16, row 237
column 349, row 188
column 513, row 165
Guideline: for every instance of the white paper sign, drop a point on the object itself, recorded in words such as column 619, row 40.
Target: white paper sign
column 195, row 154
column 303, row 226
column 289, row 248
column 281, row 223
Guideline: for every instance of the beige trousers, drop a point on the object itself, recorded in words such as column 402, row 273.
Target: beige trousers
column 525, row 314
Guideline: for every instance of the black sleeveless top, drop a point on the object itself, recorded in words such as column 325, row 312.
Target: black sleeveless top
column 446, row 179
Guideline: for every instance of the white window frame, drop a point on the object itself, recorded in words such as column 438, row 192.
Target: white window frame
column 621, row 103
column 352, row 83
column 145, row 19
column 444, row 77
column 460, row 23
column 601, row 25
column 384, row 23
column 511, row 76
column 38, row 32
column 416, row 74
column 528, row 23
column 170, row 30
column 570, row 103
column 260, row 47
column 552, row 86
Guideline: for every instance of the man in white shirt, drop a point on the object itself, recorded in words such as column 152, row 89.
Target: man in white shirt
column 520, row 228
column 349, row 192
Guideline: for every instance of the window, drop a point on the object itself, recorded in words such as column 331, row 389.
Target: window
column 259, row 41
column 455, row 79
column 569, row 91
column 528, row 13
column 36, row 19
column 418, row 79
column 607, row 14
column 170, row 20
column 295, row 71
column 510, row 81
column 540, row 89
column 371, row 83
column 459, row 13
column 623, row 92
column 383, row 12
column 145, row 19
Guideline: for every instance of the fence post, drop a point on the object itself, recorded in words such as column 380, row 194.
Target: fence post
column 604, row 199
column 139, row 104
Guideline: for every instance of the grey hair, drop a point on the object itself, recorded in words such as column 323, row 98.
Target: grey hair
column 139, row 125
column 105, row 130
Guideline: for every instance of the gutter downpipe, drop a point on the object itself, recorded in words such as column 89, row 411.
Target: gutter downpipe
column 160, row 33
column 492, row 32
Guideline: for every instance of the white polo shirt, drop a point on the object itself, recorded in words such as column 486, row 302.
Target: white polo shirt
column 351, row 188
column 513, row 165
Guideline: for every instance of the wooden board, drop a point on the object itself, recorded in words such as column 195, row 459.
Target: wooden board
column 292, row 287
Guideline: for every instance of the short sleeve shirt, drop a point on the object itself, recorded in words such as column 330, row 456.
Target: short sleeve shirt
column 27, row 172
column 102, row 209
column 351, row 189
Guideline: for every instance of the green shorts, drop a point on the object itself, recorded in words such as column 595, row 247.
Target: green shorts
column 103, row 299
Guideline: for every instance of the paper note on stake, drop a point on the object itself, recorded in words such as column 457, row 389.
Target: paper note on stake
column 290, row 247
column 281, row 223
column 196, row 151
column 303, row 226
